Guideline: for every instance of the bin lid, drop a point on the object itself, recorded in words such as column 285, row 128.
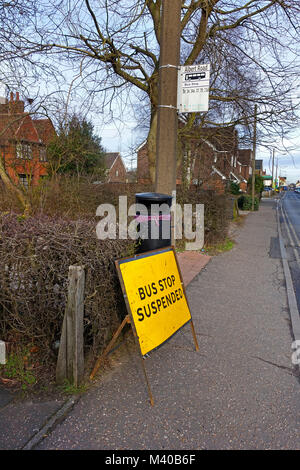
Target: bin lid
column 153, row 197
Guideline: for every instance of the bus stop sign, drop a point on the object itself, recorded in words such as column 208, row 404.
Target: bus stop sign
column 193, row 88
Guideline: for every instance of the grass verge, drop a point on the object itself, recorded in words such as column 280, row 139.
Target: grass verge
column 221, row 247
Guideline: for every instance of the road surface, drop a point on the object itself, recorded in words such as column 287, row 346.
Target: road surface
column 290, row 226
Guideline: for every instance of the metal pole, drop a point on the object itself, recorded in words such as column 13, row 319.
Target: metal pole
column 273, row 167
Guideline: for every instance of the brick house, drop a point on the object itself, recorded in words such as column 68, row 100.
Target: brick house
column 259, row 167
column 115, row 168
column 210, row 159
column 245, row 165
column 23, row 142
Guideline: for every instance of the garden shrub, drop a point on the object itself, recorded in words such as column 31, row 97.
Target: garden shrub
column 217, row 211
column 76, row 198
column 234, row 188
column 245, row 202
column 35, row 255
column 36, row 252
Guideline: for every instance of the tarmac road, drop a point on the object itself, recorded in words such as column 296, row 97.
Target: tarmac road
column 290, row 224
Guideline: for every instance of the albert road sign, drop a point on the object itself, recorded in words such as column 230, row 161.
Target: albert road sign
column 193, row 88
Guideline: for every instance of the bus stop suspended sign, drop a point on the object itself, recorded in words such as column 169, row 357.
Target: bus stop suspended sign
column 155, row 296
column 193, row 88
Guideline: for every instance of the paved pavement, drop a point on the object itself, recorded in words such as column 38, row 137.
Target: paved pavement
column 23, row 424
column 239, row 391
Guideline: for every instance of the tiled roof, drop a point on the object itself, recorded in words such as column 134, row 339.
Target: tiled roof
column 245, row 156
column 22, row 127
column 223, row 138
column 45, row 129
column 110, row 158
column 17, row 126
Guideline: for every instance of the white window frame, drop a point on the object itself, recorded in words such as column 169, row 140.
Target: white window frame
column 24, row 151
column 43, row 154
column 24, row 180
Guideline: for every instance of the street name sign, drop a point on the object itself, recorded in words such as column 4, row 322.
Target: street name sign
column 193, row 88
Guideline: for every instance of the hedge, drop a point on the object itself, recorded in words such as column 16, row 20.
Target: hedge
column 245, row 202
column 35, row 255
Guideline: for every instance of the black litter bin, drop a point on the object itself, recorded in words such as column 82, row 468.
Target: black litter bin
column 154, row 221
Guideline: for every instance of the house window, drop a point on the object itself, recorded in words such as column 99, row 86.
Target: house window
column 28, row 151
column 43, row 154
column 24, row 151
column 19, row 151
column 117, row 172
column 24, row 180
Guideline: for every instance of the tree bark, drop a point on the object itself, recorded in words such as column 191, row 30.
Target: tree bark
column 151, row 141
column 10, row 186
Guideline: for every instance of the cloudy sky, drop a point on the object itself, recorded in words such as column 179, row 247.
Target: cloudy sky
column 288, row 156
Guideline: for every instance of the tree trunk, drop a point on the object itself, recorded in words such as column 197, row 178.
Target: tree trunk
column 151, row 141
column 10, row 186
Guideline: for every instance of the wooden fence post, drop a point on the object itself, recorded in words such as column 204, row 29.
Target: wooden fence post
column 2, row 352
column 70, row 362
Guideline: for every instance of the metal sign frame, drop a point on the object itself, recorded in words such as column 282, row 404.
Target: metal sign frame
column 130, row 317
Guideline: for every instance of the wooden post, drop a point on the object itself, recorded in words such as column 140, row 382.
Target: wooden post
column 70, row 363
column 167, row 119
column 2, row 352
column 273, row 154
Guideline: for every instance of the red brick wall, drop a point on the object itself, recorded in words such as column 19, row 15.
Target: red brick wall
column 18, row 127
column 203, row 156
column 15, row 166
column 201, row 161
column 243, row 186
column 143, row 176
column 245, row 171
column 117, row 173
column 215, row 183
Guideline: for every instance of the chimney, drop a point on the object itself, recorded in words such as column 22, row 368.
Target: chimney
column 16, row 106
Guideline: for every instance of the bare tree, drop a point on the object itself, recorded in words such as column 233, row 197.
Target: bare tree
column 111, row 48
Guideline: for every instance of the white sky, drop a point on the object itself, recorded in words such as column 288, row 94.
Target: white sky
column 120, row 138
column 288, row 156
